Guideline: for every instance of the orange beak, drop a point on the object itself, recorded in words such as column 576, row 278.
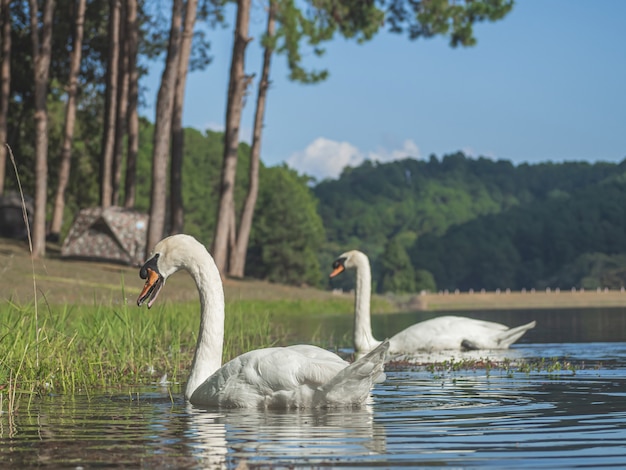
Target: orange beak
column 151, row 288
column 152, row 279
column 338, row 270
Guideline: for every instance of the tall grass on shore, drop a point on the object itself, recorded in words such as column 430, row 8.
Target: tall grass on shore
column 83, row 349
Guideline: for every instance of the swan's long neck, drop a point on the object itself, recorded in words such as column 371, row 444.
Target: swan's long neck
column 364, row 341
column 208, row 356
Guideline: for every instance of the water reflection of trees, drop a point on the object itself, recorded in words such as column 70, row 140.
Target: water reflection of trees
column 120, row 430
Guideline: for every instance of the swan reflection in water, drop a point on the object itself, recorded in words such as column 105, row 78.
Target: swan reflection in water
column 226, row 437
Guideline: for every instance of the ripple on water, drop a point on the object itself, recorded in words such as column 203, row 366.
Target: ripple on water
column 538, row 420
column 467, row 418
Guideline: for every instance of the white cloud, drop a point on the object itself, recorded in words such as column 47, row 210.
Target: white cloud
column 325, row 158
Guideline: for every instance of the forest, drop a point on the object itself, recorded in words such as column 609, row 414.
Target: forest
column 70, row 106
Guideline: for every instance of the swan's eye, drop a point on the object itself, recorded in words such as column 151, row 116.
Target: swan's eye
column 150, row 264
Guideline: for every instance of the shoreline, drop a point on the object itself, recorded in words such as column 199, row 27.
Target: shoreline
column 518, row 300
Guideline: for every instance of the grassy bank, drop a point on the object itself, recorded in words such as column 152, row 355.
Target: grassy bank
column 79, row 349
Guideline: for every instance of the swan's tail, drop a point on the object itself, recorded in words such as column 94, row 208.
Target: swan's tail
column 508, row 337
column 352, row 385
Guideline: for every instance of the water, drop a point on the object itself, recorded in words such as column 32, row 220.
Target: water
column 555, row 325
column 468, row 418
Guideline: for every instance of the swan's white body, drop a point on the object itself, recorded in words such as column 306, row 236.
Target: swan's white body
column 296, row 376
column 441, row 333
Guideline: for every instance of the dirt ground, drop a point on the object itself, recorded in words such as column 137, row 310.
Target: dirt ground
column 63, row 281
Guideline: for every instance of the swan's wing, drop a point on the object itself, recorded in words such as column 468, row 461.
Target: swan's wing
column 430, row 335
column 315, row 352
column 292, row 367
column 452, row 332
column 451, row 322
column 271, row 377
column 481, row 334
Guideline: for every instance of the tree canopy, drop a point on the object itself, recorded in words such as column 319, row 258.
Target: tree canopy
column 288, row 231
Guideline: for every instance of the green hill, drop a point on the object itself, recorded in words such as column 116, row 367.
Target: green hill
column 478, row 223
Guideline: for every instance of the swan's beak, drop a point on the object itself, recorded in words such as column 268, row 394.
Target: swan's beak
column 152, row 287
column 338, row 268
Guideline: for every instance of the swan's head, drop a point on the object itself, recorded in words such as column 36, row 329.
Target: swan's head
column 168, row 256
column 348, row 260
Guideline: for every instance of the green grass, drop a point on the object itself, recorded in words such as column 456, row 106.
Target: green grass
column 82, row 349
column 310, row 307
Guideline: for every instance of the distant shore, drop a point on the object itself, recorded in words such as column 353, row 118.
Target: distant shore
column 519, row 300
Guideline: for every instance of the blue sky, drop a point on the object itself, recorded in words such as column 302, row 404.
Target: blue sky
column 547, row 83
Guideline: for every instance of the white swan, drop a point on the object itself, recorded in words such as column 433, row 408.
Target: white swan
column 441, row 333
column 291, row 377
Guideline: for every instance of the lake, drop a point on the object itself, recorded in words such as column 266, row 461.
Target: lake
column 568, row 412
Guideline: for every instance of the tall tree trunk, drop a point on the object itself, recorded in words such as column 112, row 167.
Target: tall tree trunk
column 232, row 229
column 70, row 118
column 178, row 135
column 162, row 131
column 132, row 30
column 236, row 91
column 122, row 106
column 238, row 254
column 42, row 52
column 108, row 136
column 5, row 85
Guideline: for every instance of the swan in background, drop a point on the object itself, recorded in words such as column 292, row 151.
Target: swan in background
column 441, row 333
column 298, row 376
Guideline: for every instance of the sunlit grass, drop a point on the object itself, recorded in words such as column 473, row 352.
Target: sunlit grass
column 311, row 307
column 82, row 349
